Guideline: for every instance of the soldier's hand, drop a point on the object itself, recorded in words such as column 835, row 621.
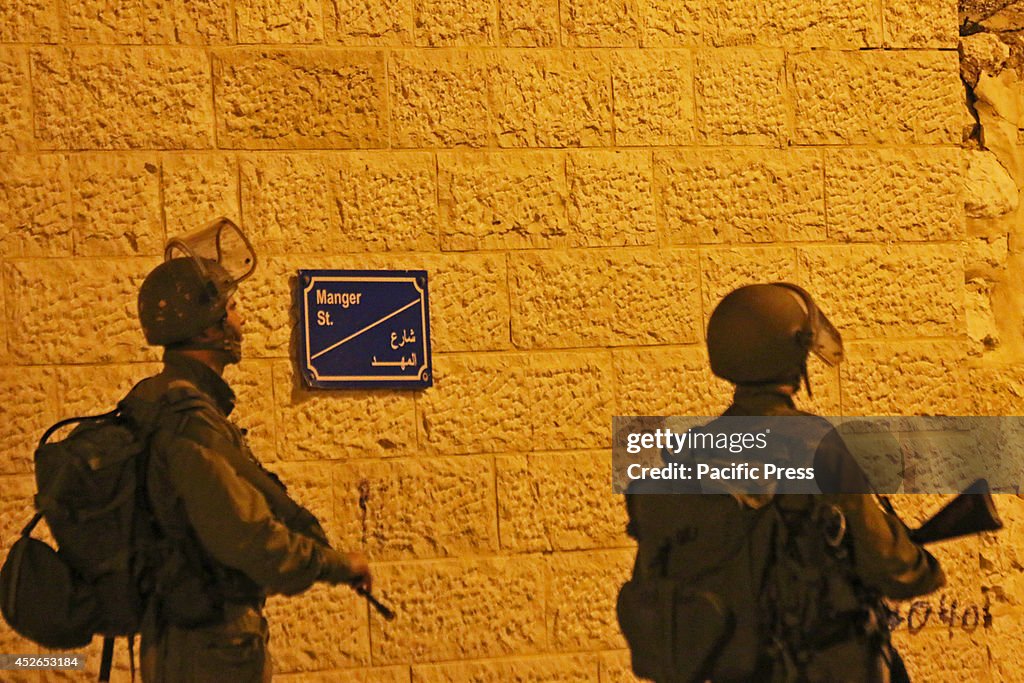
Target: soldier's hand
column 360, row 568
column 350, row 568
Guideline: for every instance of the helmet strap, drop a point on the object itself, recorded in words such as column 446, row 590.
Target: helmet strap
column 227, row 342
column 806, row 378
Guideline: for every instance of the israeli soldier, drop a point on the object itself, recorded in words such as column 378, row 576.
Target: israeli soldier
column 773, row 587
column 233, row 535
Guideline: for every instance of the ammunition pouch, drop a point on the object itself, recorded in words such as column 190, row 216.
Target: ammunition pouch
column 674, row 634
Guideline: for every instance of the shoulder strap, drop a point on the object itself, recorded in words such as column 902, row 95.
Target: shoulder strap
column 106, row 659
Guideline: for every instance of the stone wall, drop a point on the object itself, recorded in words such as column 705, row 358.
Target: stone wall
column 583, row 180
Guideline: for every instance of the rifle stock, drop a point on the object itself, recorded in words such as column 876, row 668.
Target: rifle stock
column 971, row 512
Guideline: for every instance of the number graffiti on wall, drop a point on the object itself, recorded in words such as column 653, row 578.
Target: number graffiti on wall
column 956, row 615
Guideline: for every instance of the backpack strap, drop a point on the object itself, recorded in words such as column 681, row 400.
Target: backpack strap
column 106, row 659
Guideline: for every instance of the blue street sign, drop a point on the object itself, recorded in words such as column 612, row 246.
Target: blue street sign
column 365, row 328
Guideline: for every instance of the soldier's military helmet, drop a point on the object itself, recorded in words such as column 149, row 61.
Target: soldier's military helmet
column 763, row 333
column 188, row 293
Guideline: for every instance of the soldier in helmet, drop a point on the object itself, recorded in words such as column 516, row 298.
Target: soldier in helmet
column 768, row 585
column 233, row 535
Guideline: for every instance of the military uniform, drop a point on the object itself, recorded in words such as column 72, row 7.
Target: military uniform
column 883, row 559
column 231, row 537
column 768, row 583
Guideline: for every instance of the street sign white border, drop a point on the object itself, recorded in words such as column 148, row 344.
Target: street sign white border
column 420, row 372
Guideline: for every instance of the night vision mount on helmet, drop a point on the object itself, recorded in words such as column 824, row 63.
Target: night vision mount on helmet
column 760, row 334
column 189, row 292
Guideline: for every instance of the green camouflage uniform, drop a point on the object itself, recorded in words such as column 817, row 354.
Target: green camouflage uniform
column 884, row 559
column 836, row 636
column 231, row 538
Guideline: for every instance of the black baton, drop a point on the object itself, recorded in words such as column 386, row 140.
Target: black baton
column 383, row 609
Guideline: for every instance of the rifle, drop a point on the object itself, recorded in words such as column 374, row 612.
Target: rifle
column 295, row 517
column 971, row 512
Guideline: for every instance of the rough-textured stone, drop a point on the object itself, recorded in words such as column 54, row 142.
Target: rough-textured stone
column 740, row 196
column 310, row 485
column 941, row 654
column 438, row 100
column 826, row 387
column 197, row 188
column 451, row 419
column 910, row 24
column 4, row 346
column 610, row 199
column 318, row 425
column 460, row 610
column 653, row 98
column 548, row 669
column 469, row 302
column 116, row 205
column 382, row 674
column 278, row 21
column 1003, row 92
column 667, row 381
column 982, row 327
column 29, row 21
column 582, row 590
column 118, row 98
column 324, row 628
column 369, row 22
column 852, row 24
column 499, row 200
column 989, row 191
column 998, row 390
column 597, row 298
column 534, row 514
column 875, row 291
column 190, row 22
column 106, row 21
column 16, row 509
column 35, row 206
column 548, row 98
column 604, row 23
column 94, row 389
column 282, row 192
column 15, row 100
column 317, row 97
column 615, row 667
column 418, row 509
column 93, row 322
column 1006, row 645
column 28, row 410
column 570, row 400
column 1001, row 563
column 740, row 96
column 455, row 22
column 383, row 202
column 528, row 23
column 885, row 195
column 536, row 402
column 667, row 23
column 981, row 52
column 723, row 270
column 875, row 97
column 344, row 202
column 904, row 378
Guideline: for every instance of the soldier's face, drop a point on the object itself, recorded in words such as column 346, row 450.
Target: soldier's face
column 234, row 321
column 232, row 331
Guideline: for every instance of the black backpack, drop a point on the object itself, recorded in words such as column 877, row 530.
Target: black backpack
column 92, row 494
